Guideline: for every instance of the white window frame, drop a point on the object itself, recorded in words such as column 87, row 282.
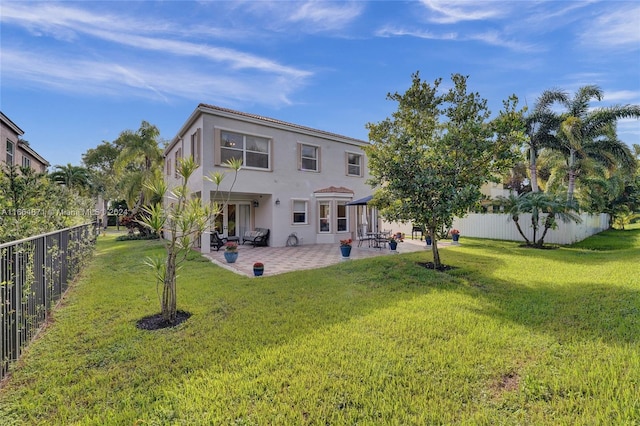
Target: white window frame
column 294, row 211
column 349, row 165
column 168, row 166
column 26, row 162
column 302, row 157
column 344, row 218
column 326, row 219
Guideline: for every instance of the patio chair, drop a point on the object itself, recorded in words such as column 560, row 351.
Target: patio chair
column 257, row 237
column 217, row 241
column 363, row 237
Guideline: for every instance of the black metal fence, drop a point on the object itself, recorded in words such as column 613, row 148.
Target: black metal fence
column 34, row 274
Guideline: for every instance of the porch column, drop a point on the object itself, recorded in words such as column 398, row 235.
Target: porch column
column 205, row 238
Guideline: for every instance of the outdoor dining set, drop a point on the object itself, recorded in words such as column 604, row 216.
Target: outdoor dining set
column 377, row 239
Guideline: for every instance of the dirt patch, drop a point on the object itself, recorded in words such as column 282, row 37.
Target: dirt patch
column 508, row 382
column 531, row 246
column 156, row 322
column 431, row 265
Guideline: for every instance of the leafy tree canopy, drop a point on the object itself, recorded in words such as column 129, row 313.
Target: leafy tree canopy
column 431, row 157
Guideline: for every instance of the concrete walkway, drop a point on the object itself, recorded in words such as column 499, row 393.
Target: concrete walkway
column 278, row 260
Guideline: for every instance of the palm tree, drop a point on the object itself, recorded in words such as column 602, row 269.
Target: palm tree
column 586, row 133
column 140, row 159
column 545, row 210
column 541, row 125
column 73, row 177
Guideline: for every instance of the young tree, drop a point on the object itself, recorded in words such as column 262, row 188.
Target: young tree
column 431, row 158
column 182, row 221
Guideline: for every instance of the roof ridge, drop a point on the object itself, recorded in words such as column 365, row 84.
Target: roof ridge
column 276, row 121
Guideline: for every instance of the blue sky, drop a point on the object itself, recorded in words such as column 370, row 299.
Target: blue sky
column 74, row 74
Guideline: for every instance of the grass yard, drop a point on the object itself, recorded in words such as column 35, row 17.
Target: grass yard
column 512, row 336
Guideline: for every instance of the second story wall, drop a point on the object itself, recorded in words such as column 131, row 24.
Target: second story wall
column 15, row 151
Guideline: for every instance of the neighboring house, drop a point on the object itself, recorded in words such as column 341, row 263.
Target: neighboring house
column 294, row 179
column 15, row 151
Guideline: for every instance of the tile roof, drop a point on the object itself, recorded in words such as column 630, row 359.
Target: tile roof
column 333, row 189
column 279, row 122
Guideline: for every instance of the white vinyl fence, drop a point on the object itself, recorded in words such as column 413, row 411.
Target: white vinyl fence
column 501, row 227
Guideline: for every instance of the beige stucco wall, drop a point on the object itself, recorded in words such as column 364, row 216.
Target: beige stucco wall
column 284, row 182
column 8, row 133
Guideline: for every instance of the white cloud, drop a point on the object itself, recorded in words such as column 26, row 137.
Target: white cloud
column 451, row 12
column 399, row 32
column 325, row 16
column 216, row 72
column 492, row 38
column 622, row 96
column 617, row 28
column 106, row 78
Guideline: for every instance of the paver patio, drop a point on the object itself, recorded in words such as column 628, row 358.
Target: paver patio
column 278, row 260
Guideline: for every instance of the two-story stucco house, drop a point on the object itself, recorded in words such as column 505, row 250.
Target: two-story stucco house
column 15, row 151
column 294, row 179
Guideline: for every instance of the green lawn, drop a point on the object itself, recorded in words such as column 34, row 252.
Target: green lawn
column 512, row 336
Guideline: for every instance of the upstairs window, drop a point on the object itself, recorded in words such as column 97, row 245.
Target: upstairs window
column 195, row 147
column 254, row 151
column 354, row 164
column 177, row 162
column 309, row 157
column 9, row 152
column 26, row 162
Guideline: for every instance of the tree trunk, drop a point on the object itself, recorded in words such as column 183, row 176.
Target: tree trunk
column 572, row 176
column 169, row 308
column 533, row 170
column 534, row 225
column 520, row 231
column 434, row 248
column 548, row 224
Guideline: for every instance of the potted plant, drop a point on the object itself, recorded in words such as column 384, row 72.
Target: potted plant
column 394, row 240
column 345, row 248
column 258, row 269
column 231, row 251
column 455, row 235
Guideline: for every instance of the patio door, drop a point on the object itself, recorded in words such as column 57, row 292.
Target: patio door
column 234, row 220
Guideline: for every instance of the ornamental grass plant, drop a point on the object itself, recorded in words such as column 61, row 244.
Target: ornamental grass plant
column 511, row 336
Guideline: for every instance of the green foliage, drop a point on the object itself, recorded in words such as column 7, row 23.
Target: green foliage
column 100, row 161
column 431, row 158
column 135, row 237
column 139, row 161
column 30, row 204
column 73, row 177
column 513, row 336
column 545, row 210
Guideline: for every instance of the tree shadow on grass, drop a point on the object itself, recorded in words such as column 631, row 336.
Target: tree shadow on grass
column 582, row 307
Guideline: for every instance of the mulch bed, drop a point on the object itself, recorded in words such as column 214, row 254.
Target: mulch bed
column 156, row 322
column 431, row 265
